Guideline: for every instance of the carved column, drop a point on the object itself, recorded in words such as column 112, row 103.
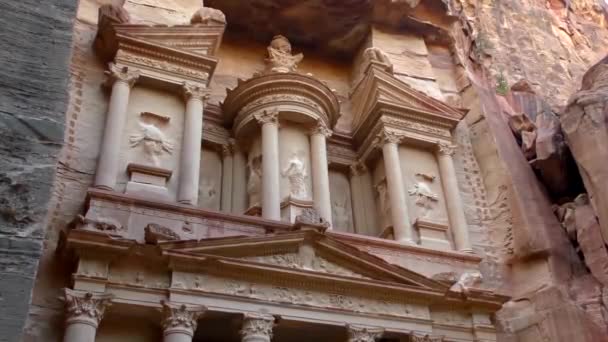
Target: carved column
column 271, row 201
column 191, row 147
column 179, row 321
column 363, row 334
column 400, row 219
column 121, row 80
column 84, row 312
column 257, row 328
column 458, row 222
column 320, row 173
column 239, row 180
column 227, row 166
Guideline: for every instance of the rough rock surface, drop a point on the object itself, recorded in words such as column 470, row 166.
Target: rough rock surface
column 33, row 99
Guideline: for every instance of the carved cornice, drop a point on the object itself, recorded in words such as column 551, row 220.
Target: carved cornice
column 124, row 74
column 195, row 91
column 85, row 307
column 445, row 149
column 180, row 317
column 363, row 334
column 257, row 325
column 267, row 117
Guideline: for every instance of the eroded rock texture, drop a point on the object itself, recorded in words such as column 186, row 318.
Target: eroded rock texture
column 33, row 99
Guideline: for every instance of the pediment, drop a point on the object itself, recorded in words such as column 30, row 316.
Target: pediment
column 304, row 253
column 379, row 89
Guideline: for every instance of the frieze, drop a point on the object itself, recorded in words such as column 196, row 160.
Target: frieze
column 163, row 65
column 298, row 261
column 416, row 126
column 425, row 338
column 278, row 98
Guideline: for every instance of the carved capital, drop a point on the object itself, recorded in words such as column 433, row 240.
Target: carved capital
column 321, row 128
column 180, row 318
column 195, row 91
column 121, row 74
column 358, row 168
column 85, row 307
column 363, row 334
column 228, row 148
column 257, row 325
column 445, row 149
column 388, row 137
column 425, row 338
column 267, row 117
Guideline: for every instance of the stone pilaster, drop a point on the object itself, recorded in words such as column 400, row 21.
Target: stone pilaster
column 402, row 228
column 271, row 201
column 195, row 95
column 239, row 180
column 364, row 334
column 458, row 222
column 179, row 321
column 362, row 198
column 257, row 328
column 121, row 79
column 84, row 312
column 227, row 166
column 320, row 172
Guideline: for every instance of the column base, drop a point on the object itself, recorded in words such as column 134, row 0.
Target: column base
column 467, row 250
column 103, row 187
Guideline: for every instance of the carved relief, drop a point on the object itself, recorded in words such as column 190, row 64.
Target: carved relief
column 194, row 90
column 208, row 16
column 280, row 58
column 322, row 129
column 257, row 325
column 377, row 56
column 155, row 233
column 363, row 334
column 425, row 198
column 383, row 198
column 387, row 137
column 467, row 281
column 416, row 126
column 340, row 213
column 446, row 149
column 254, row 185
column 85, row 306
column 103, row 224
column 115, row 12
column 162, row 65
column 266, row 117
column 295, row 171
column 154, row 142
column 310, row 216
column 208, row 193
column 425, row 338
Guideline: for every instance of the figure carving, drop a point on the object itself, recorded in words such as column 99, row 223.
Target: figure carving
column 340, row 214
column 383, row 198
column 296, row 174
column 280, row 58
column 208, row 193
column 467, row 281
column 254, row 186
column 425, row 198
column 154, row 142
column 376, row 55
column 208, row 16
column 155, row 233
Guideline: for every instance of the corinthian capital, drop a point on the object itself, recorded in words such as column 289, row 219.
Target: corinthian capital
column 321, row 128
column 388, row 137
column 85, row 307
column 121, row 74
column 363, row 334
column 446, row 149
column 195, row 91
column 267, row 117
column 257, row 325
column 179, row 317
column 358, row 168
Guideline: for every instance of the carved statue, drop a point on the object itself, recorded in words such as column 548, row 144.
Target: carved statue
column 425, row 198
column 254, row 186
column 296, row 173
column 280, row 58
column 375, row 55
column 384, row 200
column 115, row 12
column 466, row 281
column 208, row 193
column 207, row 16
column 154, row 142
column 340, row 214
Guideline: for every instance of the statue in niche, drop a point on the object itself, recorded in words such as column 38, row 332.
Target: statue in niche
column 425, row 198
column 340, row 214
column 383, row 199
column 280, row 58
column 296, row 174
column 254, row 186
column 208, row 193
column 154, row 142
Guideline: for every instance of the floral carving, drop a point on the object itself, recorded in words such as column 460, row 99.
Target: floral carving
column 321, row 129
column 280, row 58
column 446, row 149
column 296, row 174
column 194, row 90
column 164, row 66
column 180, row 317
column 388, row 137
column 257, row 325
column 85, row 306
column 267, row 117
column 122, row 74
column 154, row 142
column 358, row 168
column 364, row 334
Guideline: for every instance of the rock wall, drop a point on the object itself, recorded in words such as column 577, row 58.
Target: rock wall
column 33, row 100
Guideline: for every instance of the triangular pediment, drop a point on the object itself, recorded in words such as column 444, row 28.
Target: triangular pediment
column 304, row 253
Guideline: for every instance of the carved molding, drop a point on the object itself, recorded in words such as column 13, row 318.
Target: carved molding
column 363, row 334
column 445, row 149
column 195, row 91
column 85, row 307
column 267, row 117
column 257, row 325
column 180, row 318
column 124, row 74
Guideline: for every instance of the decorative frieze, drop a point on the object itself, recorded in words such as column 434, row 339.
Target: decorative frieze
column 425, row 338
column 85, row 307
column 363, row 334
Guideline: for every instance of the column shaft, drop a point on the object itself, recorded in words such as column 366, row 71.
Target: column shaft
column 79, row 332
column 320, row 173
column 271, row 202
column 227, row 166
column 191, row 145
column 458, row 222
column 239, row 182
column 399, row 215
column 109, row 154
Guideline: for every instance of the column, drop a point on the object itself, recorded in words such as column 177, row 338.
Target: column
column 189, row 168
column 179, row 321
column 121, row 80
column 239, row 180
column 402, row 228
column 320, row 173
column 257, row 328
column 271, row 202
column 227, row 165
column 84, row 311
column 363, row 334
column 458, row 222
